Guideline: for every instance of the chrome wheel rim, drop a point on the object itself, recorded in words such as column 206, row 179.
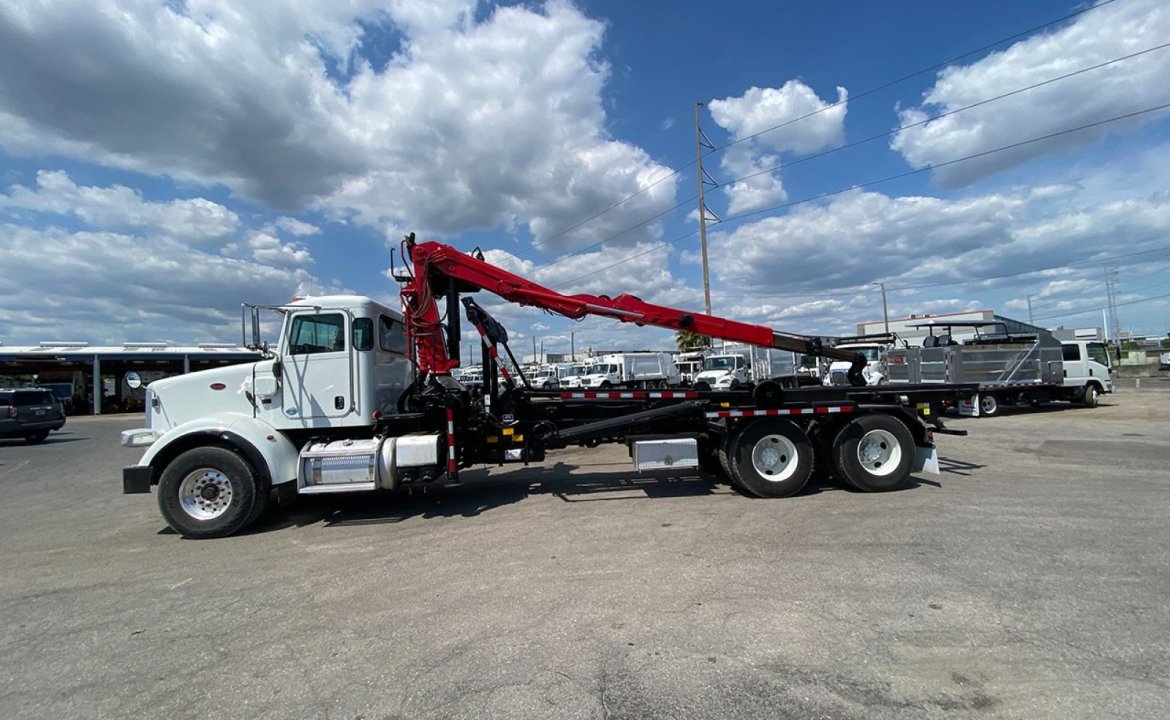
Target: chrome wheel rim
column 205, row 494
column 774, row 458
column 879, row 452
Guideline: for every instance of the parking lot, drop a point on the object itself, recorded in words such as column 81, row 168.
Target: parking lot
column 1030, row 580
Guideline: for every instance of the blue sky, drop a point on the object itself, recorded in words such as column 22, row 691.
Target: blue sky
column 160, row 163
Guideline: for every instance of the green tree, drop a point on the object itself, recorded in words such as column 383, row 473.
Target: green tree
column 686, row 340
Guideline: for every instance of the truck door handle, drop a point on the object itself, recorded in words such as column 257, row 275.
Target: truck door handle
column 339, row 402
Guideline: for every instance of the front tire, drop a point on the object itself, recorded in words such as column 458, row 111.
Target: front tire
column 771, row 458
column 873, row 453
column 1091, row 397
column 207, row 492
column 988, row 404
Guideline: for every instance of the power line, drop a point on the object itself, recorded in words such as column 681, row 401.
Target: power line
column 855, row 144
column 889, row 178
column 915, row 74
column 858, row 96
column 965, row 158
column 931, row 119
column 860, row 289
column 1098, row 308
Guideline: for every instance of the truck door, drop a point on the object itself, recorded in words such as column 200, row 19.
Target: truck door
column 1073, row 363
column 318, row 366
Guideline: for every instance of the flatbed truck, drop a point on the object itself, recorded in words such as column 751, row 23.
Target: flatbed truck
column 1012, row 364
column 356, row 396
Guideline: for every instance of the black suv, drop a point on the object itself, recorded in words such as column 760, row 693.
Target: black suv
column 30, row 413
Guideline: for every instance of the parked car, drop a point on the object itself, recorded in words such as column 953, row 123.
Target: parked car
column 31, row 413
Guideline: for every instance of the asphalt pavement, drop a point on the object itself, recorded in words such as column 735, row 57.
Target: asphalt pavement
column 1029, row 580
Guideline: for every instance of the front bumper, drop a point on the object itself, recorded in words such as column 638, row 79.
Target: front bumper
column 137, row 479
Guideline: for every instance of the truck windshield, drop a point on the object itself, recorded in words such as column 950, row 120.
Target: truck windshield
column 720, row 362
column 871, row 354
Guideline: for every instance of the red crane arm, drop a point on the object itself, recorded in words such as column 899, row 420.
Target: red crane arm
column 434, row 263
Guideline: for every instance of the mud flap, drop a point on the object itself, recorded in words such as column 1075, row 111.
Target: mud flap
column 969, row 407
column 925, row 460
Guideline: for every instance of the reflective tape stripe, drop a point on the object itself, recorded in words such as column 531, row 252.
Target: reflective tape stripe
column 452, row 470
column 631, row 395
column 822, row 410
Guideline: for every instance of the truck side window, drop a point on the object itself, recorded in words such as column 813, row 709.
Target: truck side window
column 317, row 334
column 1072, row 352
column 391, row 335
column 1098, row 352
column 363, row 334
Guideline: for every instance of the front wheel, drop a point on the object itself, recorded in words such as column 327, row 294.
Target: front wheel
column 988, row 404
column 873, row 453
column 1091, row 396
column 207, row 492
column 771, row 458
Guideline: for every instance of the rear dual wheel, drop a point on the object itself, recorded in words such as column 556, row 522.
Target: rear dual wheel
column 873, row 453
column 770, row 458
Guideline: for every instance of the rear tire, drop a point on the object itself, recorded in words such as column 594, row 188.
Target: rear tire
column 1091, row 396
column 207, row 492
column 873, row 453
column 36, row 437
column 724, row 457
column 771, row 458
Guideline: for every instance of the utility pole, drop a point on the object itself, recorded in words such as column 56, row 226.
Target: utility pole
column 1030, row 321
column 701, row 141
column 1111, row 298
column 885, row 308
column 572, row 346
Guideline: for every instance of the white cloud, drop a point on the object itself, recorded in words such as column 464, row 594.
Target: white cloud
column 788, row 119
column 111, row 287
column 122, row 208
column 1098, row 36
column 470, row 123
column 271, row 251
column 296, row 227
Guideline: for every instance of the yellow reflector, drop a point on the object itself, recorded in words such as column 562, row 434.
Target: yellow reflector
column 508, row 431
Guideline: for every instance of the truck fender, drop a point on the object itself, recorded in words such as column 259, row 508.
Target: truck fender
column 271, row 454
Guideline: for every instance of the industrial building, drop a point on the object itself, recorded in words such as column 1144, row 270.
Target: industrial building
column 109, row 379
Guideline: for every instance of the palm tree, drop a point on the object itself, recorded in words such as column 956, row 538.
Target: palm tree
column 687, row 340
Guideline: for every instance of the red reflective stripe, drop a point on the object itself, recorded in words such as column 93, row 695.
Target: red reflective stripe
column 781, row 411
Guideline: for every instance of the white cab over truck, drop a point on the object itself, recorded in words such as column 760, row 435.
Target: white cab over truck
column 875, row 348
column 631, row 370
column 1013, row 364
column 738, row 365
